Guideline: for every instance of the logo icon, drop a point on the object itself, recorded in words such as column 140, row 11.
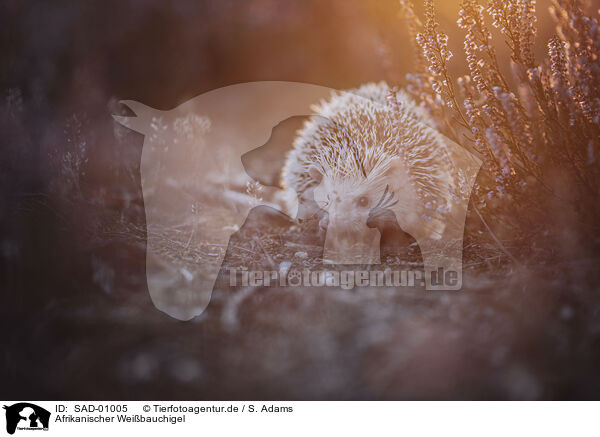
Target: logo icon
column 192, row 169
column 26, row 416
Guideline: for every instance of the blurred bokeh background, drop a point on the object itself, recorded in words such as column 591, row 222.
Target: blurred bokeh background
column 76, row 318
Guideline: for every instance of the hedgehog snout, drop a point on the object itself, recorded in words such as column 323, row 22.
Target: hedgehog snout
column 346, row 222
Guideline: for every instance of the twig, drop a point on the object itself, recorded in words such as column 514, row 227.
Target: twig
column 500, row 245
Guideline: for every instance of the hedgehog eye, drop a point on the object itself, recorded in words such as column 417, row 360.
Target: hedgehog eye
column 363, row 201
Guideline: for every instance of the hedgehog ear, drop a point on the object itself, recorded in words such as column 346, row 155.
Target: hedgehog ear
column 315, row 174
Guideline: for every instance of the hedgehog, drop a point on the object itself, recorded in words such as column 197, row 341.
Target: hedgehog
column 369, row 149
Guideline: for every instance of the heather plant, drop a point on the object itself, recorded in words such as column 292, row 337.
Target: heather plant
column 536, row 127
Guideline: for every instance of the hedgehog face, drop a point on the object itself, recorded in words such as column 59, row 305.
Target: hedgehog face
column 349, row 203
column 352, row 201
